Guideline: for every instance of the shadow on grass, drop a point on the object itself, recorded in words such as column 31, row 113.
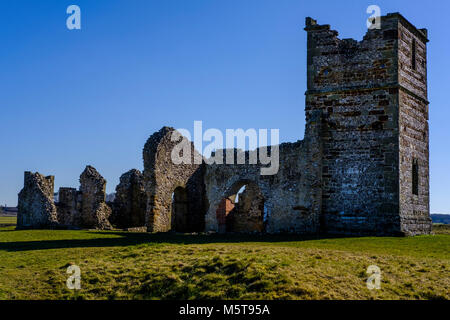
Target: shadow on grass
column 131, row 238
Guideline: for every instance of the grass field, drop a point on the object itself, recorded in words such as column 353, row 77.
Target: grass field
column 7, row 221
column 121, row 265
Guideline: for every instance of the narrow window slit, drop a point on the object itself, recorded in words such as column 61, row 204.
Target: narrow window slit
column 415, row 177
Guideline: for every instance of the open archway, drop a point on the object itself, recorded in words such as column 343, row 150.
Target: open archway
column 242, row 209
column 180, row 208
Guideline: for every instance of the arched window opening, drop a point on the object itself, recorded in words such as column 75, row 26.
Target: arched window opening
column 242, row 210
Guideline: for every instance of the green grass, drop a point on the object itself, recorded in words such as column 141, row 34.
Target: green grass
column 121, row 265
column 441, row 228
column 7, row 221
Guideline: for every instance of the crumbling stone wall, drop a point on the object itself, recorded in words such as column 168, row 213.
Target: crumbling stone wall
column 69, row 207
column 83, row 209
column 94, row 210
column 162, row 177
column 357, row 86
column 292, row 197
column 130, row 202
column 35, row 207
column 248, row 214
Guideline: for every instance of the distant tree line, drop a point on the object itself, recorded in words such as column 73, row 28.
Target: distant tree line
column 441, row 218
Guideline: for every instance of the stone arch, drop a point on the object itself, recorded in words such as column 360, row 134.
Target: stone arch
column 241, row 211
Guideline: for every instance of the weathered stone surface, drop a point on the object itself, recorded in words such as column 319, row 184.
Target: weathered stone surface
column 297, row 184
column 69, row 207
column 248, row 214
column 414, row 132
column 137, row 229
column 162, row 178
column 130, row 201
column 36, row 207
column 94, row 210
column 372, row 95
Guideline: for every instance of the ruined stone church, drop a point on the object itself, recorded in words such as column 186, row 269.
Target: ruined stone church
column 361, row 169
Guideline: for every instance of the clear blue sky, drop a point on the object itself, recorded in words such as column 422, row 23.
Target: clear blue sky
column 72, row 98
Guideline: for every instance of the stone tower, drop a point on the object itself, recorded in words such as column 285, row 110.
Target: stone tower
column 373, row 99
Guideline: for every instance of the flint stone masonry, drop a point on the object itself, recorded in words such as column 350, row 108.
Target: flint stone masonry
column 94, row 210
column 292, row 197
column 162, row 177
column 87, row 207
column 69, row 207
column 35, row 206
column 130, row 202
column 248, row 214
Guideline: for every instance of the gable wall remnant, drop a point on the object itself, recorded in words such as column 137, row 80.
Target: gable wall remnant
column 94, row 210
column 130, row 201
column 162, row 177
column 35, row 206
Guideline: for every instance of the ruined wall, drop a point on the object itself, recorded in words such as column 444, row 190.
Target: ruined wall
column 130, row 202
column 292, row 197
column 248, row 214
column 94, row 210
column 69, row 206
column 162, row 177
column 35, row 206
column 356, row 85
